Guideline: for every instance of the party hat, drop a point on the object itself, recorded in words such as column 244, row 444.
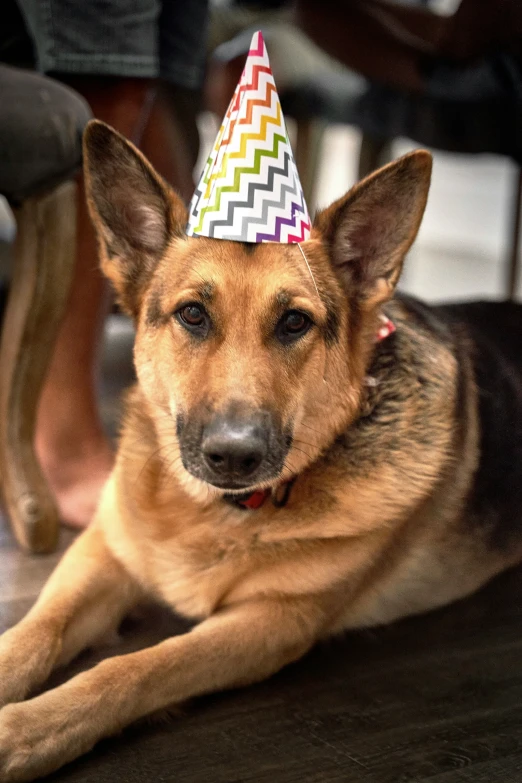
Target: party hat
column 250, row 190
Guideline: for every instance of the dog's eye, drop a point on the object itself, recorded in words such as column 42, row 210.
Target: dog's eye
column 194, row 317
column 293, row 324
column 192, row 314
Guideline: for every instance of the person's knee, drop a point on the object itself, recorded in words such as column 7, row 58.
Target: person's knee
column 122, row 102
column 185, row 104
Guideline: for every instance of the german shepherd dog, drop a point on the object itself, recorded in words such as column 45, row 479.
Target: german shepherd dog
column 282, row 475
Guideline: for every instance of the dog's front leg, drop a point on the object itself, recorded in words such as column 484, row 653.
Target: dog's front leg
column 86, row 595
column 237, row 646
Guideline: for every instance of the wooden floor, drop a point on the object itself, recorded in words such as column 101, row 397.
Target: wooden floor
column 436, row 698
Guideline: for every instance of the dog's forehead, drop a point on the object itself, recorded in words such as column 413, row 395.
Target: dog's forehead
column 220, row 266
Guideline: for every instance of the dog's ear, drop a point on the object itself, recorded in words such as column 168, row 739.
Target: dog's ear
column 370, row 229
column 134, row 212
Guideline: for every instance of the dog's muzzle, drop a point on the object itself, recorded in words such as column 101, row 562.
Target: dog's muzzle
column 233, row 450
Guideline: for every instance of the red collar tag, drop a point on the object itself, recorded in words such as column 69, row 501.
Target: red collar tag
column 280, row 496
column 386, row 328
column 255, row 500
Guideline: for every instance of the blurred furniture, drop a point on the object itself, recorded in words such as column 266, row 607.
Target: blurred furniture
column 41, row 125
column 483, row 114
column 485, row 122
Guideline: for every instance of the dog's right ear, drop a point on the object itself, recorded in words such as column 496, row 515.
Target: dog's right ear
column 369, row 231
column 134, row 212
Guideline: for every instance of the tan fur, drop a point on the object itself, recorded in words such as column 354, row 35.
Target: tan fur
column 371, row 532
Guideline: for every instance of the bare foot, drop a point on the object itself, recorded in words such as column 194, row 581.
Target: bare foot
column 77, row 479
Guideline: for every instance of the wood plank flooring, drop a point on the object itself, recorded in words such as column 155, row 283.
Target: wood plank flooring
column 433, row 699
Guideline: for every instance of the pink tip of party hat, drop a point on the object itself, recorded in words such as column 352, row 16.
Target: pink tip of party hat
column 250, row 190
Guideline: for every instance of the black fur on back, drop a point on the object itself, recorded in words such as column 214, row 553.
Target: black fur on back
column 495, row 333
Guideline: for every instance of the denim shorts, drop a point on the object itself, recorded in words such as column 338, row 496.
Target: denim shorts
column 138, row 38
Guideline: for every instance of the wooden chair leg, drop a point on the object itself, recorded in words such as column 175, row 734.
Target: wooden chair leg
column 44, row 259
column 514, row 254
column 374, row 153
column 308, row 147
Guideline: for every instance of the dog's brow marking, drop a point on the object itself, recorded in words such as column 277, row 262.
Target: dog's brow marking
column 155, row 314
column 207, row 291
column 284, row 298
column 308, row 265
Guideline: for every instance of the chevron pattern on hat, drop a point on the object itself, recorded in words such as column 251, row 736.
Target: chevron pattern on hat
column 250, row 190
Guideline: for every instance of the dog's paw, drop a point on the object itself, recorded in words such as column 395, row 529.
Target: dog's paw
column 11, row 676
column 18, row 751
column 31, row 745
column 26, row 656
column 39, row 736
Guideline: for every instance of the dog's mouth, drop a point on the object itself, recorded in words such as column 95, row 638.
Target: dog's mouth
column 234, row 453
column 235, row 487
column 230, row 481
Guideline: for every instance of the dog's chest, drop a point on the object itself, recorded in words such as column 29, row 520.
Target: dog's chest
column 207, row 566
column 194, row 573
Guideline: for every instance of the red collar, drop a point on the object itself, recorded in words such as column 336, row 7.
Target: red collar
column 254, row 500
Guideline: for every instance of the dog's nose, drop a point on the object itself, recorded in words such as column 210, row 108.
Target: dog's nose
column 233, row 448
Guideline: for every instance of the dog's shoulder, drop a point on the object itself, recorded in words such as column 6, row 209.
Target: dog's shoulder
column 402, row 445
column 413, row 373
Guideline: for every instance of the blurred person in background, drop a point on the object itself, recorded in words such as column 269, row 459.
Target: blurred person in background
column 472, row 54
column 409, row 46
column 140, row 65
column 405, row 44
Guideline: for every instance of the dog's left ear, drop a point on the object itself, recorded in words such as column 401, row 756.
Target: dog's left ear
column 134, row 212
column 369, row 231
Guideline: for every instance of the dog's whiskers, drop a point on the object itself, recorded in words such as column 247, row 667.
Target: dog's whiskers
column 318, row 432
column 143, row 439
column 154, row 454
column 165, row 469
column 305, row 443
column 308, row 456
